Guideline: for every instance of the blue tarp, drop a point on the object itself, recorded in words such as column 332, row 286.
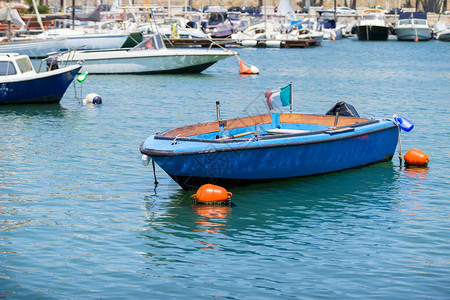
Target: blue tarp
column 413, row 15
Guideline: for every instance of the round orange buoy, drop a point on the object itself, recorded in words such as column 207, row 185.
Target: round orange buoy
column 210, row 193
column 416, row 39
column 415, row 157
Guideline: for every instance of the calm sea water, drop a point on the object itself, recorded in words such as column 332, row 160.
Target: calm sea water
column 80, row 216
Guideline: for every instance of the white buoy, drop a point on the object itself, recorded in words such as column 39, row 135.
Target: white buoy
column 249, row 43
column 273, row 44
column 145, row 160
column 92, row 98
column 254, row 69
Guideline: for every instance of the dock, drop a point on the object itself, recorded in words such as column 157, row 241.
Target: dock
column 224, row 42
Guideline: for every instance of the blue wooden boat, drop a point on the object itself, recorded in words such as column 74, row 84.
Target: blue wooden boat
column 269, row 147
column 20, row 83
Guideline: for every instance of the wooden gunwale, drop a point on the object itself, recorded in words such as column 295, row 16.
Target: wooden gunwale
column 208, row 127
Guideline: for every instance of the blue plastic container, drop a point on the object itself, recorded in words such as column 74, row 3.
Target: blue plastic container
column 404, row 123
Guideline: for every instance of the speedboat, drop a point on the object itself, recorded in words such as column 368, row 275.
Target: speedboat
column 269, row 147
column 219, row 26
column 413, row 26
column 20, row 83
column 149, row 57
column 327, row 23
column 442, row 31
column 372, row 26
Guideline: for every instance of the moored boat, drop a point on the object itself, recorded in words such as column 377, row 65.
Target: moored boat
column 20, row 83
column 413, row 26
column 149, row 57
column 372, row 26
column 441, row 31
column 269, row 147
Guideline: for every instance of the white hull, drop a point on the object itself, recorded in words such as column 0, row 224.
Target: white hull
column 34, row 49
column 88, row 40
column 335, row 33
column 410, row 33
column 443, row 36
column 96, row 41
column 148, row 61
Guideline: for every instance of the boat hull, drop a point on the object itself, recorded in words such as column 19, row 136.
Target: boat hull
column 265, row 161
column 46, row 87
column 410, row 33
column 34, row 49
column 444, row 36
column 372, row 33
column 154, row 62
column 96, row 41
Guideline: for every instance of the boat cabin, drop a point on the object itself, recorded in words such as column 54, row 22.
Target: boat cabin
column 372, row 17
column 415, row 18
column 14, row 65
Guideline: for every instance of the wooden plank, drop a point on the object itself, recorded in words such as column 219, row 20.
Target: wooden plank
column 209, row 127
column 318, row 119
column 190, row 130
column 247, row 121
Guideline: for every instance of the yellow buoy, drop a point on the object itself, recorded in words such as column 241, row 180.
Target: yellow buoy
column 210, row 193
column 415, row 157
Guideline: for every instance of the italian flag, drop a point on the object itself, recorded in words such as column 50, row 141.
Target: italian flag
column 278, row 97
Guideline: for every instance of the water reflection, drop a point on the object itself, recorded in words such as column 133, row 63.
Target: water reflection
column 297, row 204
column 211, row 218
column 54, row 110
column 415, row 172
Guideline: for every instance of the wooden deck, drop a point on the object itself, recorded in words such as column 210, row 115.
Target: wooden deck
column 304, row 43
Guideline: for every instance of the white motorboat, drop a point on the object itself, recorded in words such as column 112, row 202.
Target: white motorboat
column 413, row 26
column 327, row 23
column 149, row 57
column 219, row 25
column 372, row 26
column 442, row 31
column 33, row 48
column 88, row 40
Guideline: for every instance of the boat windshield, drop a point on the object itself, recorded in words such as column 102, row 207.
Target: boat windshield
column 404, row 22
column 24, row 65
column 372, row 17
column 420, row 22
column 217, row 18
column 154, row 42
column 7, row 68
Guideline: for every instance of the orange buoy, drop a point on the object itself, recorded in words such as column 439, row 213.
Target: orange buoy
column 243, row 69
column 415, row 157
column 210, row 193
column 416, row 39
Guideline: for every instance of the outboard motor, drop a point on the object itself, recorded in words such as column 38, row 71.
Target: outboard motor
column 52, row 64
column 344, row 109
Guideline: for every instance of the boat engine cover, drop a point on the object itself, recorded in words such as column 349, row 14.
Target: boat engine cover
column 344, row 109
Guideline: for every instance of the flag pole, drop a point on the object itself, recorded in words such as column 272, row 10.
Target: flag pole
column 292, row 98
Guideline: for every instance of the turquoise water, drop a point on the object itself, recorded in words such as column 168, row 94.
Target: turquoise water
column 80, row 216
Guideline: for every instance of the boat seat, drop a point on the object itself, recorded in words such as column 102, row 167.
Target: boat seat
column 285, row 131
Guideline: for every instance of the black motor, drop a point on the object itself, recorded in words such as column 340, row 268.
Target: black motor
column 344, row 109
column 52, row 64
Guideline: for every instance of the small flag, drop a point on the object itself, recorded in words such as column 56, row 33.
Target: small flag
column 278, row 97
column 82, row 77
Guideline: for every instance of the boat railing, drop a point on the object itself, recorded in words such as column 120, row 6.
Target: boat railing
column 52, row 60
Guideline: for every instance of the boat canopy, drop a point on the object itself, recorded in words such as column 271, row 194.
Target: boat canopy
column 13, row 64
column 413, row 15
column 153, row 42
